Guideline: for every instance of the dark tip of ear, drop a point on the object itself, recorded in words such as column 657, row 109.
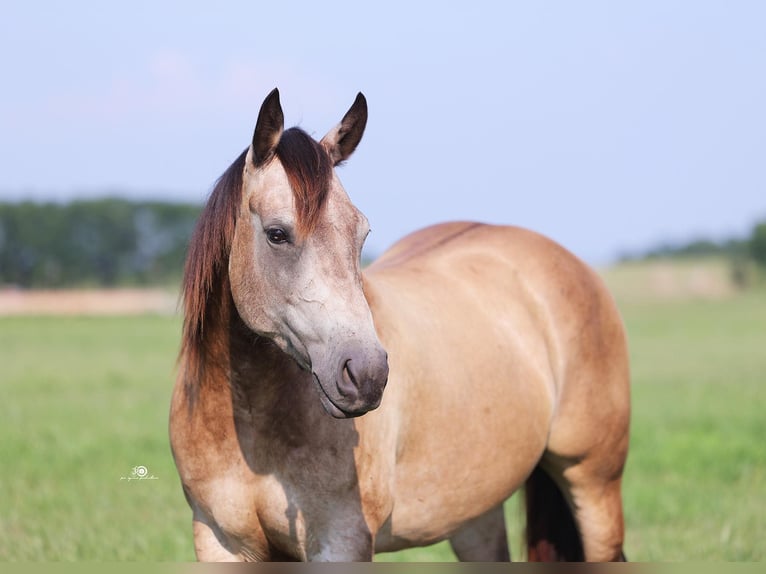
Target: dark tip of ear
column 272, row 94
column 360, row 104
column 268, row 128
column 358, row 110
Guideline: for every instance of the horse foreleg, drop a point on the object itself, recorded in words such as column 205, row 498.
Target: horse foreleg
column 483, row 539
column 340, row 544
column 209, row 545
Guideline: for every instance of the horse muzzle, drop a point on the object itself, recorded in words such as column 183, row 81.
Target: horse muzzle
column 357, row 384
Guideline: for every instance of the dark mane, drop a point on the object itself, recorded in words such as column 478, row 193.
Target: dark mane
column 206, row 294
column 205, row 271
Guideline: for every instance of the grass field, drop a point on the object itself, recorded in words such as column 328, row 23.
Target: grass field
column 84, row 400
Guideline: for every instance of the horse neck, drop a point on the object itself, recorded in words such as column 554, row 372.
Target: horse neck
column 267, row 384
column 240, row 374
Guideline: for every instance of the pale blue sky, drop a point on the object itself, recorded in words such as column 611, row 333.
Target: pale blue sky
column 606, row 125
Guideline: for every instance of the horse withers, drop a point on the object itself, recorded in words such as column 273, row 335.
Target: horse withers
column 323, row 412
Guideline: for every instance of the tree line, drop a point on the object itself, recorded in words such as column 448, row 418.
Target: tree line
column 746, row 256
column 109, row 242
column 103, row 242
column 752, row 247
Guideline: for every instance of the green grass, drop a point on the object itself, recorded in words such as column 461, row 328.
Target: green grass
column 84, row 400
column 695, row 486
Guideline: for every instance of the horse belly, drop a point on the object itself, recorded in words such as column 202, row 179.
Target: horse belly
column 482, row 438
column 431, row 512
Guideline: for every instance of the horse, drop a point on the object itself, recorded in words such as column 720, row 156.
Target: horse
column 326, row 412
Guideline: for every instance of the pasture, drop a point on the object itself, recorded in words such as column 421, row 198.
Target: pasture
column 84, row 400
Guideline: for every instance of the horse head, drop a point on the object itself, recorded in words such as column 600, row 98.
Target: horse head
column 295, row 261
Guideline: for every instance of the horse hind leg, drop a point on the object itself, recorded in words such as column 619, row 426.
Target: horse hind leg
column 483, row 539
column 576, row 516
column 598, row 510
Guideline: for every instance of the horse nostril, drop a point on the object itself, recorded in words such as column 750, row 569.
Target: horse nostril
column 363, row 378
column 349, row 384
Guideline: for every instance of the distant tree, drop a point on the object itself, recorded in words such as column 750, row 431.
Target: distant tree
column 696, row 248
column 95, row 242
column 757, row 243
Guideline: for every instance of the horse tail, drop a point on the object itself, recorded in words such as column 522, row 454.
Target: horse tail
column 552, row 534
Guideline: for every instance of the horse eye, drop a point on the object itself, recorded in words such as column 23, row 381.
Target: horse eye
column 277, row 236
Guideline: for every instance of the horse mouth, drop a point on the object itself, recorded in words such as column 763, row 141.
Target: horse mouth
column 329, row 404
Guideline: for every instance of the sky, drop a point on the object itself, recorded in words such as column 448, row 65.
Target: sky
column 608, row 126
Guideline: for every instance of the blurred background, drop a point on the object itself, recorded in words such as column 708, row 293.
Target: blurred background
column 610, row 127
column 632, row 133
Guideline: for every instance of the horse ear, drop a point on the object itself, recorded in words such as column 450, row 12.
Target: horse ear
column 341, row 141
column 268, row 128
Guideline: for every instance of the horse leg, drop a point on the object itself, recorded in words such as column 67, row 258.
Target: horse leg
column 597, row 504
column 341, row 549
column 595, row 501
column 343, row 537
column 208, row 543
column 483, row 539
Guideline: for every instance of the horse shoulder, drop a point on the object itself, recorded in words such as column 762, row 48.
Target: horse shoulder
column 222, row 492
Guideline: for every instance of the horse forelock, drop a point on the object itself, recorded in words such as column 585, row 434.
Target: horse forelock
column 206, row 298
column 309, row 171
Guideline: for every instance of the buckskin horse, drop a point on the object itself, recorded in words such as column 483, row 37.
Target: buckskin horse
column 502, row 355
